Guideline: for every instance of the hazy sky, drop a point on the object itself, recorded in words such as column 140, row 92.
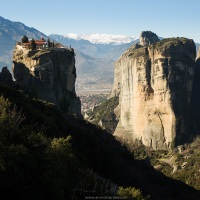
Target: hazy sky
column 167, row 18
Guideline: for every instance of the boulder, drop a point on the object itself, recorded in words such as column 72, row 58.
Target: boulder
column 147, row 38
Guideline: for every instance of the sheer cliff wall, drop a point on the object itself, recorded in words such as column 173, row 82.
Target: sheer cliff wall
column 48, row 74
column 154, row 84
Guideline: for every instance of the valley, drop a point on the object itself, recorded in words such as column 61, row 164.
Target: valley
column 86, row 83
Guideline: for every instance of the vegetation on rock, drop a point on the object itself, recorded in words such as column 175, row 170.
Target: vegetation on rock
column 181, row 163
column 24, row 39
column 33, row 44
column 104, row 115
column 131, row 193
column 89, row 101
column 58, row 156
column 34, row 166
column 166, row 43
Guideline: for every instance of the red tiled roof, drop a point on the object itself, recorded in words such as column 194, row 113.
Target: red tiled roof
column 39, row 40
column 36, row 42
column 39, row 43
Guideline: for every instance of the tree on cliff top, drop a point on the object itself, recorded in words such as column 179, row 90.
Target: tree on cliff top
column 33, row 44
column 49, row 42
column 25, row 39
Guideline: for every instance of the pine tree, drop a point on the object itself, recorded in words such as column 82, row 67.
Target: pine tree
column 25, row 39
column 33, row 44
column 49, row 42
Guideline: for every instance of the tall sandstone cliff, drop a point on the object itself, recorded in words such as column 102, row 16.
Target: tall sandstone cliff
column 196, row 97
column 154, row 83
column 48, row 74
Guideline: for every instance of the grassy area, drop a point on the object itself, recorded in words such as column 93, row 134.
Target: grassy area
column 166, row 43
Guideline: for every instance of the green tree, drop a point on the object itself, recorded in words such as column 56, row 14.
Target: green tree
column 131, row 193
column 49, row 42
column 33, row 44
column 25, row 39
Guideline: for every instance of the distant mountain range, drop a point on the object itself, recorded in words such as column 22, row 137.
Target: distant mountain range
column 97, row 38
column 97, row 45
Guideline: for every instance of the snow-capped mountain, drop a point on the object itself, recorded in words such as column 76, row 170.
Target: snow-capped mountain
column 97, row 45
column 97, row 38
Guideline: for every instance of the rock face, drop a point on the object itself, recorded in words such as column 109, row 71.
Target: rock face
column 48, row 74
column 6, row 77
column 154, row 84
column 196, row 97
column 147, row 38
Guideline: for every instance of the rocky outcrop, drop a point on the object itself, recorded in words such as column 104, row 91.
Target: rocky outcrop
column 196, row 97
column 105, row 115
column 147, row 38
column 6, row 77
column 48, row 74
column 154, row 84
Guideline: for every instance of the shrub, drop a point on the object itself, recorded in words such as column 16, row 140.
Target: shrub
column 131, row 193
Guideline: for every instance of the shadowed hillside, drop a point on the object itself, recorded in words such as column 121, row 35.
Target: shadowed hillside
column 97, row 150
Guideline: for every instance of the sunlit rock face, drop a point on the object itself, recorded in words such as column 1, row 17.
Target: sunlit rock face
column 154, row 83
column 48, row 74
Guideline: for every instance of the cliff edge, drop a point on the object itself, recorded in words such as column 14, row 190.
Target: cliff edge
column 48, row 74
column 154, row 83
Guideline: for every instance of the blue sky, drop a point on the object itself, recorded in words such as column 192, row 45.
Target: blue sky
column 167, row 18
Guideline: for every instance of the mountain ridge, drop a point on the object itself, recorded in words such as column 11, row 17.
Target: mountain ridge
column 97, row 38
column 99, row 50
column 10, row 33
